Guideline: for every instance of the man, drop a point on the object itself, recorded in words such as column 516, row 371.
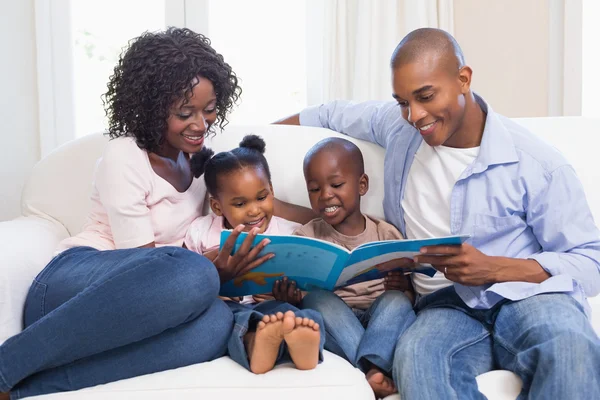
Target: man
column 514, row 297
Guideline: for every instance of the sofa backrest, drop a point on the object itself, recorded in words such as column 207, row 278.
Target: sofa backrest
column 60, row 184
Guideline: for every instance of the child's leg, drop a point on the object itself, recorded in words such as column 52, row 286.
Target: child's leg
column 257, row 341
column 386, row 320
column 344, row 331
column 305, row 342
column 246, row 319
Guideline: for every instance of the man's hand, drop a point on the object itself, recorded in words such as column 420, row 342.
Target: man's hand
column 463, row 264
column 468, row 266
column 284, row 290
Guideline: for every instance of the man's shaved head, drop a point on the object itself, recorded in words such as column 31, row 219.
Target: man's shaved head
column 432, row 85
column 345, row 149
column 428, row 41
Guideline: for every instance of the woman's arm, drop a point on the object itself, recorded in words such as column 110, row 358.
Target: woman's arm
column 292, row 212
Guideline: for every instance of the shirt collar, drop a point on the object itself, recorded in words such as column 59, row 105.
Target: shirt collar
column 497, row 145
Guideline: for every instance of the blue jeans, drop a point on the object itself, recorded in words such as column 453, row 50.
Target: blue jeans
column 363, row 337
column 546, row 340
column 94, row 317
column 247, row 316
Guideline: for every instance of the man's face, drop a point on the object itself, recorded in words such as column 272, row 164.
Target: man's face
column 431, row 97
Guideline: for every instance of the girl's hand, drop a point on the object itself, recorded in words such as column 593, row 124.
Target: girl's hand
column 284, row 290
column 244, row 260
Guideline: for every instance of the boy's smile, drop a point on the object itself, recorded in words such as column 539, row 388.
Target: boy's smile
column 334, row 189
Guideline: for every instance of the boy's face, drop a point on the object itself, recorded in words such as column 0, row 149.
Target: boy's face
column 335, row 187
column 431, row 96
column 245, row 197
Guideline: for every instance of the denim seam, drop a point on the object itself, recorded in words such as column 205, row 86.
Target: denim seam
column 43, row 302
column 3, row 381
column 465, row 345
column 514, row 353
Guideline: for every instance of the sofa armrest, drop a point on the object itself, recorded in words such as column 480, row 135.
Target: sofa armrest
column 27, row 244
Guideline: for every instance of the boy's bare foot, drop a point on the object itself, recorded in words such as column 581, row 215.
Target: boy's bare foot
column 382, row 385
column 263, row 346
column 303, row 342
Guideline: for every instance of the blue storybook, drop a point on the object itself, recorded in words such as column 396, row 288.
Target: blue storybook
column 315, row 263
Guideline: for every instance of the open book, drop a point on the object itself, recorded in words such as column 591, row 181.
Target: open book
column 315, row 263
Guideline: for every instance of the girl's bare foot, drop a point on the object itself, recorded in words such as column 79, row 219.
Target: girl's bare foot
column 263, row 346
column 303, row 342
column 381, row 384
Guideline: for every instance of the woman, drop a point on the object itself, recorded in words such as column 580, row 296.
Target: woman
column 123, row 298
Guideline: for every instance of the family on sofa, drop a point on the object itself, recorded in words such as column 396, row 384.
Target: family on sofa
column 513, row 297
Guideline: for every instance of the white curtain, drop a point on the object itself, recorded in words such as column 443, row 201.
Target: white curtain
column 358, row 39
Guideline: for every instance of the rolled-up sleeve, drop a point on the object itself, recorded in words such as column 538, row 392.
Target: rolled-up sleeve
column 372, row 121
column 561, row 220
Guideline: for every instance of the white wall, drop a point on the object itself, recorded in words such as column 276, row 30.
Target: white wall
column 507, row 45
column 18, row 103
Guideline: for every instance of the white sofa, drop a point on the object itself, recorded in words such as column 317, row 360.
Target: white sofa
column 55, row 203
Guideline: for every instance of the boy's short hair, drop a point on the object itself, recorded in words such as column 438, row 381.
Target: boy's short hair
column 336, row 144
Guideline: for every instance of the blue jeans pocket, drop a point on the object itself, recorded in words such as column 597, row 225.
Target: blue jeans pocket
column 35, row 303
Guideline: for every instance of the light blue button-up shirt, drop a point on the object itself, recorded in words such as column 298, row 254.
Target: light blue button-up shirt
column 520, row 198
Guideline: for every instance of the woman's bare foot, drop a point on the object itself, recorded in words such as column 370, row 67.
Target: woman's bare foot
column 382, row 385
column 303, row 342
column 263, row 346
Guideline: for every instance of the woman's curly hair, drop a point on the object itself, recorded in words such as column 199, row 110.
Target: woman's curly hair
column 155, row 71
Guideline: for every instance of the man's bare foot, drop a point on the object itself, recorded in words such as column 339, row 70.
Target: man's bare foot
column 4, row 396
column 382, row 385
column 263, row 346
column 303, row 342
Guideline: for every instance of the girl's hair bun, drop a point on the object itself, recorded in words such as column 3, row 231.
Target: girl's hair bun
column 253, row 142
column 199, row 161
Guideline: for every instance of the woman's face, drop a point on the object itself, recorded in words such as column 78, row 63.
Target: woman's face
column 188, row 123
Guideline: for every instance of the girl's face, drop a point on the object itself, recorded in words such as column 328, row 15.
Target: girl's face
column 245, row 197
column 188, row 123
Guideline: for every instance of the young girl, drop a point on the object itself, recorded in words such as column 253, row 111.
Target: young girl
column 241, row 194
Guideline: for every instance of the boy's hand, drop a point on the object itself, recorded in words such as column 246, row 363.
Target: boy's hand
column 406, row 263
column 397, row 281
column 284, row 290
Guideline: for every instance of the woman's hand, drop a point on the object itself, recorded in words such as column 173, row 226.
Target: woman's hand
column 284, row 290
column 244, row 260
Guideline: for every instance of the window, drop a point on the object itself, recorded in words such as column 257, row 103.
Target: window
column 590, row 104
column 99, row 31
column 266, row 47
column 79, row 43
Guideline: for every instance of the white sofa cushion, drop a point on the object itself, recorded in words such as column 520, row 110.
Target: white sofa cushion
column 224, row 379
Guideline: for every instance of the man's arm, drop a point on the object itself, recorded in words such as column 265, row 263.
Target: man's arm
column 291, row 120
column 562, row 222
column 371, row 121
column 563, row 225
column 292, row 212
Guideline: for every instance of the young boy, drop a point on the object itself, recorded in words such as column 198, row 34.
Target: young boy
column 363, row 321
